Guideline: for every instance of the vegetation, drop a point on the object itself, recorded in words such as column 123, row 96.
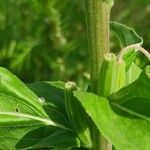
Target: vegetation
column 50, row 36
column 107, row 109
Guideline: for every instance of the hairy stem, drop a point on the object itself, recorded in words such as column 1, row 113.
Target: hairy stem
column 97, row 18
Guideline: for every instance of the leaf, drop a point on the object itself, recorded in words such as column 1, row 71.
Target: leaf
column 47, row 137
column 141, row 61
column 54, row 95
column 125, row 35
column 133, row 73
column 21, row 111
column 136, row 96
column 59, row 139
column 52, row 92
column 129, row 58
column 12, row 86
column 122, row 127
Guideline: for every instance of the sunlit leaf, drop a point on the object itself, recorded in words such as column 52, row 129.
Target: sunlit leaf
column 122, row 127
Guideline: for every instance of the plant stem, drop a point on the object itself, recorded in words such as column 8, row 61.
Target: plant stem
column 97, row 18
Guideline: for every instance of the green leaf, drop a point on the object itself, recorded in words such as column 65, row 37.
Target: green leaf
column 125, row 35
column 129, row 58
column 21, row 111
column 11, row 86
column 54, row 95
column 132, row 73
column 123, row 128
column 52, row 92
column 48, row 137
column 59, row 139
column 141, row 61
column 136, row 96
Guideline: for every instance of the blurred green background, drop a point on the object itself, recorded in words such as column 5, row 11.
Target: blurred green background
column 46, row 39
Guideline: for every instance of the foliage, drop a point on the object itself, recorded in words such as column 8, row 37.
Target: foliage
column 57, row 115
column 37, row 37
column 50, row 36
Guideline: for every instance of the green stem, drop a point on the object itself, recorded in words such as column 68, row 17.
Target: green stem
column 97, row 18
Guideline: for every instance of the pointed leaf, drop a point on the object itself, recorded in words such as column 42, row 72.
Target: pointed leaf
column 125, row 35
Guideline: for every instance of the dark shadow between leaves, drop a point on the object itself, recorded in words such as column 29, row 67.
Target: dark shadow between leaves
column 54, row 95
column 54, row 100
column 139, row 105
column 128, row 112
column 35, row 136
column 47, row 137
